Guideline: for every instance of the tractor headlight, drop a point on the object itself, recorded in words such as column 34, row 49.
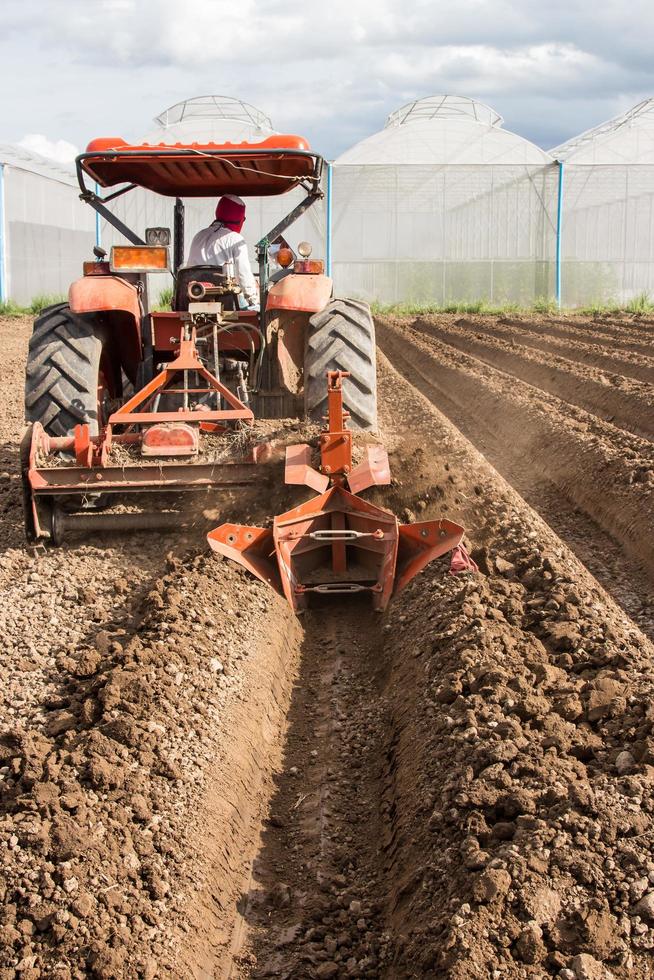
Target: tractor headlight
column 157, row 236
column 305, row 249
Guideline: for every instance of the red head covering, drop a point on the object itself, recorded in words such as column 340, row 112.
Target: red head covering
column 231, row 211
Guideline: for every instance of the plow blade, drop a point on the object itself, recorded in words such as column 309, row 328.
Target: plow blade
column 421, row 543
column 251, row 547
column 373, row 471
column 336, row 543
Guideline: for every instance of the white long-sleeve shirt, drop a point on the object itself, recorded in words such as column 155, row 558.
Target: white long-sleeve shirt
column 219, row 245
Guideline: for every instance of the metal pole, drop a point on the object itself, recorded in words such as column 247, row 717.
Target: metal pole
column 216, row 363
column 328, row 252
column 3, row 243
column 178, row 235
column 98, row 222
column 559, row 232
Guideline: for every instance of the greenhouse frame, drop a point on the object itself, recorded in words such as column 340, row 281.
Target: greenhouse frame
column 45, row 230
column 608, row 210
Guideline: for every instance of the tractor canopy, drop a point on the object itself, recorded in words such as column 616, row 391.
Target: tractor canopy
column 271, row 166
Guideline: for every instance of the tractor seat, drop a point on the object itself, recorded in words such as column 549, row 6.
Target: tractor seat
column 202, row 273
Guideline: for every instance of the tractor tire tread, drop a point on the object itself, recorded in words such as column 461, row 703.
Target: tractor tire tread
column 61, row 376
column 342, row 338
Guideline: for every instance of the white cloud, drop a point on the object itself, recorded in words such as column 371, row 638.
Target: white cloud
column 331, row 72
column 59, row 150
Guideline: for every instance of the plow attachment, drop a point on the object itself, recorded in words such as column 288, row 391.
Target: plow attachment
column 51, row 493
column 337, row 543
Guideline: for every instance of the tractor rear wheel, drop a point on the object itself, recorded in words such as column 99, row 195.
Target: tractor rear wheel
column 342, row 338
column 67, row 375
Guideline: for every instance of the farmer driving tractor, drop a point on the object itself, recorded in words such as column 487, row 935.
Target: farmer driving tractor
column 222, row 244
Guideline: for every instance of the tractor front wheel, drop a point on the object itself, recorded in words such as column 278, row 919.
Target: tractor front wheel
column 68, row 372
column 342, row 338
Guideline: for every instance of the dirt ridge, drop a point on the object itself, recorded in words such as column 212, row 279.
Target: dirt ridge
column 622, row 401
column 575, row 450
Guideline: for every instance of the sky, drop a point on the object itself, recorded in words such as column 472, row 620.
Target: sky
column 75, row 69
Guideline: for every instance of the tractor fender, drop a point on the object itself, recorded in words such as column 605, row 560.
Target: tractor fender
column 117, row 306
column 305, row 293
column 91, row 294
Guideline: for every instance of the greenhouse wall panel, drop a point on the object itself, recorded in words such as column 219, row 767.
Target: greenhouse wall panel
column 49, row 233
column 462, row 234
column 445, row 206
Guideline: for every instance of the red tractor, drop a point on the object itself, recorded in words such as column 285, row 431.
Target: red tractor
column 125, row 400
column 86, row 356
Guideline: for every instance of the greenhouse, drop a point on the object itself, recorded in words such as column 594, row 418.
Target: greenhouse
column 45, row 230
column 608, row 210
column 444, row 205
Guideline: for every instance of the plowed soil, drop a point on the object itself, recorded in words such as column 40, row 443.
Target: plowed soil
column 197, row 784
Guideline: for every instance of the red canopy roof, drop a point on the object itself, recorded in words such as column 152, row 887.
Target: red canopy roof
column 273, row 166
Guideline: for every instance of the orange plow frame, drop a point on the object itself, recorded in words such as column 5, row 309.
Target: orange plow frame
column 336, row 543
column 326, row 533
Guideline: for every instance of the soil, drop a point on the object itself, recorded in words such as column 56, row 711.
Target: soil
column 198, row 784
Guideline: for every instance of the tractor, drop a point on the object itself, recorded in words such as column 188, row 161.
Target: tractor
column 125, row 400
column 107, row 348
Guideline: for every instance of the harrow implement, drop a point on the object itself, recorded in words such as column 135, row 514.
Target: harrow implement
column 62, row 474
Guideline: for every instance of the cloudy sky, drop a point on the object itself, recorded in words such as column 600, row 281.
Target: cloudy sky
column 74, row 69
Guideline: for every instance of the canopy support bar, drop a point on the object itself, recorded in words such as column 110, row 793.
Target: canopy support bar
column 178, row 239
column 98, row 205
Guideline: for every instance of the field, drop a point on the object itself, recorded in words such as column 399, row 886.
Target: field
column 197, row 784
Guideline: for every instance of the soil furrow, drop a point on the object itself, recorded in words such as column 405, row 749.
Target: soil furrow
column 596, row 391
column 562, row 444
column 625, row 363
column 316, row 902
column 622, row 338
column 626, row 581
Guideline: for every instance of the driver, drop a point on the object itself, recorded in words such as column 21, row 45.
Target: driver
column 223, row 244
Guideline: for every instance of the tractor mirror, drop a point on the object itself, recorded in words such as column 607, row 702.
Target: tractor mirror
column 157, row 236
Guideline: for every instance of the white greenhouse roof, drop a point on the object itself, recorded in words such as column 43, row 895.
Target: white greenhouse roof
column 628, row 138
column 444, row 130
column 18, row 157
column 210, row 118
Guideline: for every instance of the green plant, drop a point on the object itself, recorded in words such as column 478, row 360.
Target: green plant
column 165, row 299
column 41, row 302
column 548, row 307
column 414, row 309
column 597, row 308
column 481, row 307
column 9, row 308
column 640, row 304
